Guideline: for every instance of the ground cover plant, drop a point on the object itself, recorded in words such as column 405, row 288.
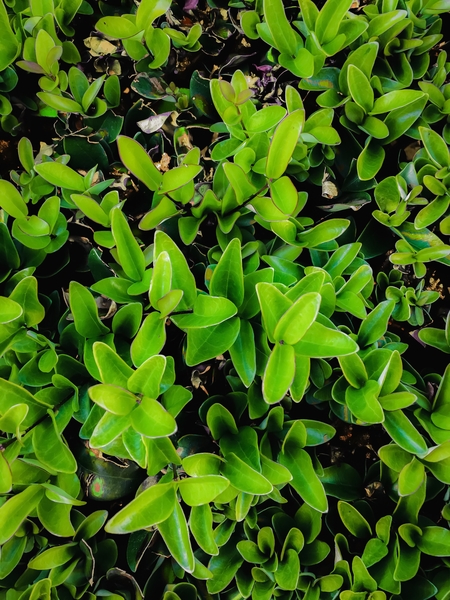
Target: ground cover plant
column 224, row 309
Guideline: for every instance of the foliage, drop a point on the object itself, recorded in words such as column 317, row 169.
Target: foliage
column 211, row 385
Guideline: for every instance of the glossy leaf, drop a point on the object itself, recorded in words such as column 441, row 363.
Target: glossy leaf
column 175, row 533
column 279, row 373
column 196, row 491
column 151, row 507
column 228, row 279
column 15, row 510
column 283, row 142
column 304, row 479
column 136, row 159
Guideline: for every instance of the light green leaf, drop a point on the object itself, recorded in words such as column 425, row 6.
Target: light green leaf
column 152, row 420
column 279, row 373
column 61, row 176
column 304, row 479
column 284, row 142
column 175, row 533
column 112, row 398
column 136, row 159
column 244, row 478
column 196, row 491
column 84, row 311
column 10, row 199
column 15, row 510
column 182, row 277
column 228, row 279
column 151, row 507
column 298, row 319
column 322, row 342
column 205, row 344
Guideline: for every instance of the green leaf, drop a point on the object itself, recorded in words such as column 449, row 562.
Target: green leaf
column 182, row 277
column 175, row 533
column 210, row 342
column 91, row 525
column 91, row 209
column 136, row 159
column 440, row 414
column 375, row 324
column 196, row 491
column 15, row 510
column 393, row 100
column 224, row 566
column 12, row 552
column 9, row 45
column 273, row 306
column 51, row 450
column 150, row 339
column 116, row 27
column 152, row 420
column 250, row 552
column 435, row 146
column 130, row 255
column 329, row 20
column 323, row 232
column 91, row 93
column 147, row 379
column 304, row 479
column 400, row 120
column 26, row 295
column 284, row 195
column 12, row 396
column 370, row 161
column 228, row 278
column 112, row 398
column 360, row 88
column 208, row 311
column 200, row 524
column 243, row 353
column 53, row 557
column 61, row 176
column 354, row 370
column 434, row 541
column 108, row 428
column 62, row 104
column 84, row 311
column 354, row 520
column 112, row 368
column 403, row 432
column 284, row 36
column 149, row 10
column 178, row 177
column 151, row 507
column 363, row 402
column 411, row 477
column 161, row 278
column 279, row 373
column 284, row 141
column 321, row 342
column 5, row 475
column 296, row 321
column 342, row 481
column 274, row 472
column 220, row 421
column 10, row 199
column 266, row 118
column 9, row 310
column 244, row 478
column 240, row 183
column 202, row 463
column 287, row 573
